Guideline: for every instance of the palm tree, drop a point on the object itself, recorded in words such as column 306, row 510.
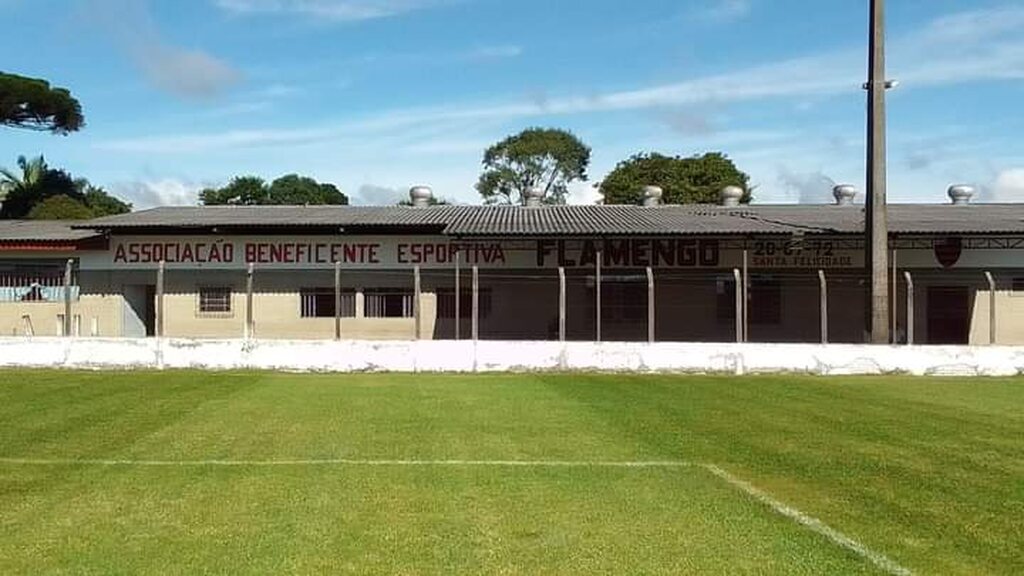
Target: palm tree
column 32, row 173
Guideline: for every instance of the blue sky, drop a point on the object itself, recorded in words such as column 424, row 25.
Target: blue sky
column 378, row 95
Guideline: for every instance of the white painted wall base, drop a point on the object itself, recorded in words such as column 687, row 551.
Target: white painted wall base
column 435, row 356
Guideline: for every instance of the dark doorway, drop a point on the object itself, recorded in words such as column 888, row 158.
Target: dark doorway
column 149, row 311
column 949, row 315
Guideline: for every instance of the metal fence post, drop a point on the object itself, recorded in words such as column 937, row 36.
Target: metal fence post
column 249, row 324
column 160, row 288
column 991, row 308
column 739, row 304
column 337, row 300
column 893, row 296
column 476, row 303
column 597, row 290
column 458, row 294
column 561, row 304
column 746, row 295
column 650, row 305
column 417, row 292
column 823, row 284
column 68, row 268
column 910, row 308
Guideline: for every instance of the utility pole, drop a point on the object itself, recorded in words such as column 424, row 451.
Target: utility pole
column 877, row 237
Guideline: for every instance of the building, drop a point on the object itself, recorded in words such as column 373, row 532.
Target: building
column 321, row 272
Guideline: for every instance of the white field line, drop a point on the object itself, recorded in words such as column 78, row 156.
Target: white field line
column 347, row 462
column 799, row 517
column 811, row 523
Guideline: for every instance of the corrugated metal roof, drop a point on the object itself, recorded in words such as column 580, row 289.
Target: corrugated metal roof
column 43, row 231
column 585, row 220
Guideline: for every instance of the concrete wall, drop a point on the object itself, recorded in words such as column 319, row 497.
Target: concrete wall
column 435, row 356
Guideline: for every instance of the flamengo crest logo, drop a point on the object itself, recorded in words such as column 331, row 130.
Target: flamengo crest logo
column 948, row 251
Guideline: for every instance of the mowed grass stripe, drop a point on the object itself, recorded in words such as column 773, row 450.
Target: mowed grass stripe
column 399, row 520
column 927, row 470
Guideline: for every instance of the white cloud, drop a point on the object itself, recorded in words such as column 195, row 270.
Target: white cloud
column 1007, row 187
column 372, row 195
column 182, row 71
column 725, row 11
column 165, row 192
column 969, row 47
column 494, row 52
column 339, row 10
column 808, row 188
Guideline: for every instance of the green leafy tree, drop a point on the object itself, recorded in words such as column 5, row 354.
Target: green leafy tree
column 99, row 201
column 33, row 104
column 60, row 207
column 286, row 190
column 693, row 180
column 543, row 158
column 300, row 190
column 243, row 190
column 35, row 181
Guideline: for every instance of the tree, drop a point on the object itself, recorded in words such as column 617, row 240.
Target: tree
column 32, row 104
column 300, row 190
column 21, row 192
column 286, row 190
column 100, row 202
column 548, row 159
column 243, row 190
column 693, row 180
column 60, row 207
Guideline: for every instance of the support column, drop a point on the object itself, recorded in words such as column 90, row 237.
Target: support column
column 746, row 295
column 739, row 304
column 894, row 313
column 991, row 308
column 476, row 303
column 160, row 288
column 458, row 294
column 249, row 321
column 417, row 308
column 337, row 300
column 597, row 291
column 650, row 305
column 561, row 304
column 68, row 323
column 823, row 284
column 910, row 308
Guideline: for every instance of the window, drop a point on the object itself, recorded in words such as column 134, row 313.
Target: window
column 446, row 303
column 389, row 303
column 1018, row 287
column 34, row 281
column 765, row 300
column 214, row 300
column 319, row 303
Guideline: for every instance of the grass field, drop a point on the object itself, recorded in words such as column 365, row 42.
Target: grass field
column 187, row 472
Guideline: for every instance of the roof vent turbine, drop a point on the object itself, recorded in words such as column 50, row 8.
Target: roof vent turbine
column 652, row 196
column 730, row 196
column 961, row 194
column 844, row 194
column 420, row 196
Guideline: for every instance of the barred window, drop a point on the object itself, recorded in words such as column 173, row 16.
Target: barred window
column 388, row 302
column 214, row 300
column 319, row 303
column 446, row 303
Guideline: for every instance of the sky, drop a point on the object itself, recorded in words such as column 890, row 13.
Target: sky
column 378, row 95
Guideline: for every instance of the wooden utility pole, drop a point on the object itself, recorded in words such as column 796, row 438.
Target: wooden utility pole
column 877, row 237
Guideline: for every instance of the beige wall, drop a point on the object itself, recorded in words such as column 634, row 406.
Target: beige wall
column 523, row 306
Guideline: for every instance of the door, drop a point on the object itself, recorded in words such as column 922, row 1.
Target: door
column 949, row 315
column 149, row 314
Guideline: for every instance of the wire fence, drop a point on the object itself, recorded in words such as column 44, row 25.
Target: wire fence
column 609, row 305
